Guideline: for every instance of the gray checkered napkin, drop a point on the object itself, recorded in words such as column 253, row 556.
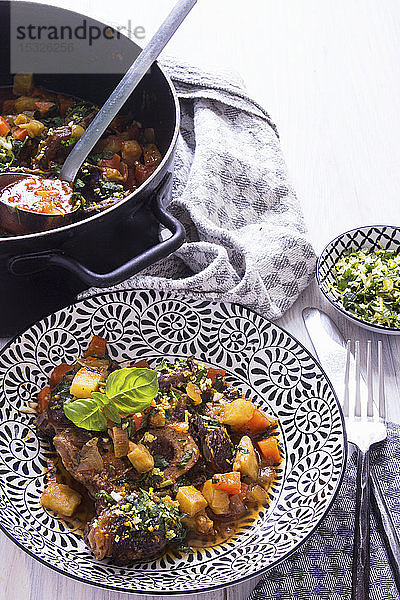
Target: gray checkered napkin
column 321, row 568
column 246, row 240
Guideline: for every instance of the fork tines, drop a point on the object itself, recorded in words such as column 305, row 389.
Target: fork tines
column 360, row 408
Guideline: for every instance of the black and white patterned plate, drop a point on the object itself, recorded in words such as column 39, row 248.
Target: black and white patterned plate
column 262, row 359
column 370, row 237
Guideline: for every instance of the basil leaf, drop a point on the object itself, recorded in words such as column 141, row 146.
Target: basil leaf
column 132, row 389
column 86, row 413
column 110, row 411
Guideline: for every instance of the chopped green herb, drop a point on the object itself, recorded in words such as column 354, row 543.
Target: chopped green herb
column 105, row 496
column 160, row 462
column 368, row 285
column 94, row 158
column 17, row 146
column 185, row 459
column 219, row 383
column 78, row 111
column 71, row 142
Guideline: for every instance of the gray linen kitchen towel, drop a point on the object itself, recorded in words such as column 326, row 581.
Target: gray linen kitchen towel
column 321, row 568
column 246, row 240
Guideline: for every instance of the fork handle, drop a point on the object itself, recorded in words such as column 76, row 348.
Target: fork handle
column 387, row 528
column 360, row 579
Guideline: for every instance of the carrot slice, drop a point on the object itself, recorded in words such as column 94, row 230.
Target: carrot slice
column 270, row 450
column 227, row 482
column 4, row 127
column 19, row 133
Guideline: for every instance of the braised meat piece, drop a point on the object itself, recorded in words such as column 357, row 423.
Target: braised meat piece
column 89, row 462
column 173, row 379
column 178, row 375
column 108, row 536
column 138, row 527
column 48, row 149
column 215, row 443
column 179, row 450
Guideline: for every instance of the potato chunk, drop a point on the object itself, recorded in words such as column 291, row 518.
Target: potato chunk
column 24, row 103
column 246, row 459
column 22, row 84
column 34, row 128
column 191, row 501
column 140, row 458
column 85, row 382
column 217, row 499
column 60, row 498
column 131, row 151
column 238, row 412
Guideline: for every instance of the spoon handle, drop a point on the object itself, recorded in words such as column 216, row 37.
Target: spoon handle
column 124, row 89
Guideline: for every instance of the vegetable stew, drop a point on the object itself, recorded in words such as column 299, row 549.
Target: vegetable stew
column 38, row 129
column 169, row 455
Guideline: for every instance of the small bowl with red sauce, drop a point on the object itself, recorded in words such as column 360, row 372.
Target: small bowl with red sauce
column 29, row 204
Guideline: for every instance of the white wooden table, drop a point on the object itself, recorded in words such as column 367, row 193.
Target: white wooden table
column 329, row 74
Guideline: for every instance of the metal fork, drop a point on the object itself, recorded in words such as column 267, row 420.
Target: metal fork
column 364, row 428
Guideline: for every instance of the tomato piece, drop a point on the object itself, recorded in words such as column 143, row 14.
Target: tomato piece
column 19, row 133
column 111, row 163
column 43, row 398
column 227, row 482
column 141, row 364
column 4, row 127
column 8, row 106
column 64, row 104
column 270, row 451
column 213, row 373
column 130, row 182
column 143, row 172
column 258, row 422
column 97, row 346
column 58, row 373
column 137, row 418
column 44, row 107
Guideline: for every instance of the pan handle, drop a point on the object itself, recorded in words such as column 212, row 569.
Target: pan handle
column 34, row 263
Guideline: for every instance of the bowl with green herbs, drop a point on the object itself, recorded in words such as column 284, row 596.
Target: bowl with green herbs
column 359, row 273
